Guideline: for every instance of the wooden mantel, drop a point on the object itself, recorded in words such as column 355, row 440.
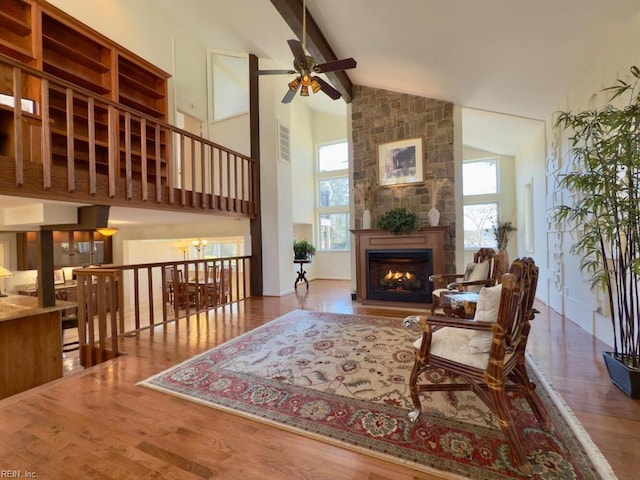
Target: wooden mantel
column 433, row 238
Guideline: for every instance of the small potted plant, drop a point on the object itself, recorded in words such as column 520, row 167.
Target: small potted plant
column 303, row 250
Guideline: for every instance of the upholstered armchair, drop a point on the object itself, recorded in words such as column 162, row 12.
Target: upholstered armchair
column 485, row 271
column 485, row 354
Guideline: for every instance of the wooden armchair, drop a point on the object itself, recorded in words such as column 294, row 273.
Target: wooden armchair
column 485, row 271
column 485, row 355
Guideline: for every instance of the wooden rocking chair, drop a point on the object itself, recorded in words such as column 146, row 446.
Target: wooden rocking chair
column 491, row 371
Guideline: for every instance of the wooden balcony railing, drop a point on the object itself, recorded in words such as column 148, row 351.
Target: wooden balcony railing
column 125, row 300
column 79, row 146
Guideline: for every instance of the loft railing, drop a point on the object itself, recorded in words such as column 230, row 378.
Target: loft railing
column 125, row 300
column 77, row 145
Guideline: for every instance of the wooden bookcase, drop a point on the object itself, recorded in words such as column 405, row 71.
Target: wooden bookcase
column 71, row 52
column 16, row 32
column 41, row 35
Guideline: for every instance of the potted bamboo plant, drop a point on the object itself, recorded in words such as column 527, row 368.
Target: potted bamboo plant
column 604, row 183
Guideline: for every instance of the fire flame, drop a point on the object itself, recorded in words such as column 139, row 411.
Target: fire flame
column 398, row 275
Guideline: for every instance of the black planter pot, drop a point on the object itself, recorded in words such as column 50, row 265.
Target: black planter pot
column 624, row 377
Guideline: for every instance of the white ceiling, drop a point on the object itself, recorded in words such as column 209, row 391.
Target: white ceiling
column 496, row 58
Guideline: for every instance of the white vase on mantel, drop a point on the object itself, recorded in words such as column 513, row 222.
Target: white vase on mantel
column 366, row 219
column 434, row 217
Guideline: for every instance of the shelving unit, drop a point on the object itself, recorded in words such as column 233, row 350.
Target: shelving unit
column 142, row 87
column 16, row 37
column 75, row 56
column 70, row 249
column 41, row 35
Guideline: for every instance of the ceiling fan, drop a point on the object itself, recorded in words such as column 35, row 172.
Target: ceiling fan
column 305, row 65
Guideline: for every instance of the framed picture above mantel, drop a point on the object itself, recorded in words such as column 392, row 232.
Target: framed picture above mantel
column 400, row 162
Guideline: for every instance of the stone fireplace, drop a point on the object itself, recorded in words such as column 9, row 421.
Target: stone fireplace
column 399, row 275
column 394, row 269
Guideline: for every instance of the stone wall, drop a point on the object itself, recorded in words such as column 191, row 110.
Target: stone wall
column 380, row 116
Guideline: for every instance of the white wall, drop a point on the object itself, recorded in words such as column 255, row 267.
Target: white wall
column 569, row 291
column 530, row 169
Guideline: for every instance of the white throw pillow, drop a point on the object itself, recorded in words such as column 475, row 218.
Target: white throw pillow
column 486, row 311
column 475, row 272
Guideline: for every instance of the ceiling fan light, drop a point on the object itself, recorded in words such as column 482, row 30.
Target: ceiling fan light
column 306, row 80
column 304, row 91
column 294, row 84
column 315, row 85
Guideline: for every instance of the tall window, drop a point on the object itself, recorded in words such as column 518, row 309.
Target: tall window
column 332, row 187
column 481, row 201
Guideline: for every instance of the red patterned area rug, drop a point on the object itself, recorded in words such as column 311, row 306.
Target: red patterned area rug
column 343, row 379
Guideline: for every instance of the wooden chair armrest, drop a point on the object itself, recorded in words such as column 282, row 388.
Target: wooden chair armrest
column 441, row 280
column 462, row 285
column 443, row 276
column 441, row 321
column 470, row 324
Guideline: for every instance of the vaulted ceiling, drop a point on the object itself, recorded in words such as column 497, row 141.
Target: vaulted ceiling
column 505, row 56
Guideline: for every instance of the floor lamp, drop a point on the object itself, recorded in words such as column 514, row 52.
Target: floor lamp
column 3, row 274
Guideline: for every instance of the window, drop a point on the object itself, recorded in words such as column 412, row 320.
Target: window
column 481, row 202
column 228, row 85
column 332, row 186
column 222, row 247
column 479, row 218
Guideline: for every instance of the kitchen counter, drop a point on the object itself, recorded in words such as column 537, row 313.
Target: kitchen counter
column 30, row 343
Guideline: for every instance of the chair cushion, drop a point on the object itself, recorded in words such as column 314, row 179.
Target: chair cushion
column 486, row 311
column 453, row 344
column 488, row 304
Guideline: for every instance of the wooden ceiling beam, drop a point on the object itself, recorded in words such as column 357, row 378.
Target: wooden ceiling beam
column 317, row 45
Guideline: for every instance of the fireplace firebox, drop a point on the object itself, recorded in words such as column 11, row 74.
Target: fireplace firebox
column 399, row 275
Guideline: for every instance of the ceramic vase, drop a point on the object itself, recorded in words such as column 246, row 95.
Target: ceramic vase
column 366, row 219
column 434, row 217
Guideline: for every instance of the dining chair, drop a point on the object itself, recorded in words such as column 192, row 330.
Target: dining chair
column 212, row 286
column 225, row 286
column 167, row 284
column 184, row 293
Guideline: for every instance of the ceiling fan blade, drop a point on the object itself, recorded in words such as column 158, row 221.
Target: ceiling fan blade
column 328, row 89
column 344, row 64
column 290, row 95
column 299, row 54
column 276, row 72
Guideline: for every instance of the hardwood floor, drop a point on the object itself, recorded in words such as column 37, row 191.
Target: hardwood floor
column 98, row 424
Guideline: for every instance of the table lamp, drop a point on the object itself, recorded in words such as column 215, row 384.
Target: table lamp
column 4, row 273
